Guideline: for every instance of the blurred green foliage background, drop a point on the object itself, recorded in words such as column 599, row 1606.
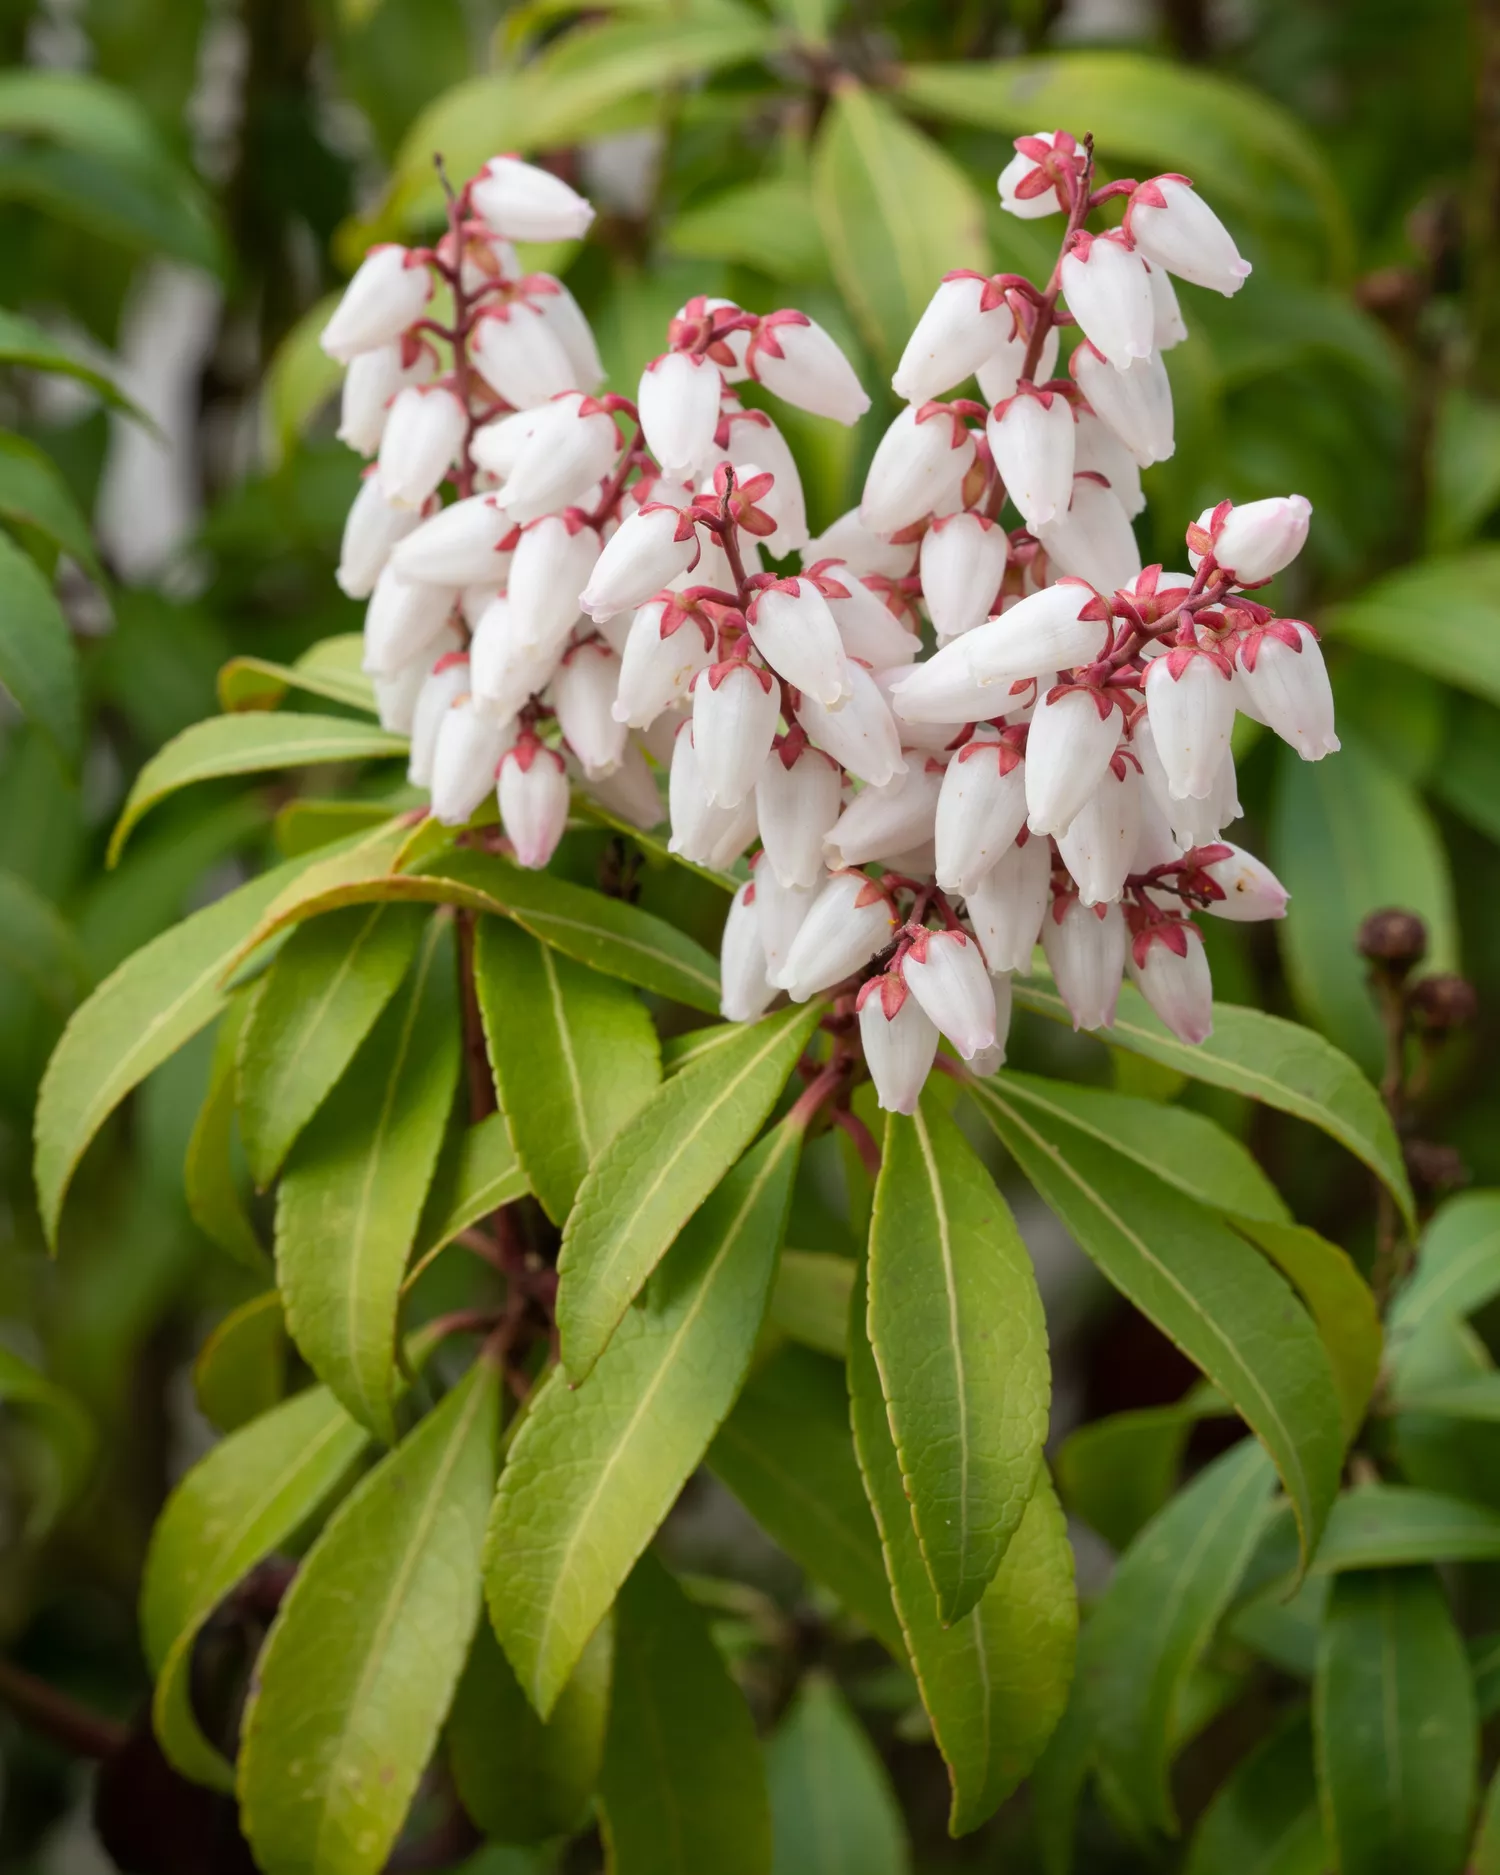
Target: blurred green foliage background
column 184, row 183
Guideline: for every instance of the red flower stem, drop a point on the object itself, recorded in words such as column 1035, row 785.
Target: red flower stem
column 1046, row 313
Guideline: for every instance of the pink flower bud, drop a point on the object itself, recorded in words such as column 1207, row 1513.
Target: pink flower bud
column 1093, row 540
column 447, row 680
column 564, row 453
column 524, row 203
column 702, row 832
column 1069, row 746
column 847, row 923
column 519, row 356
column 1053, row 630
column 1031, row 440
column 963, row 563
column 754, row 444
column 794, row 631
column 1256, row 539
column 553, row 562
column 796, row 804
column 1099, row 846
column 798, row 361
column 921, row 459
column 506, row 672
column 1109, row 293
column 1251, row 890
column 565, row 317
column 1287, row 681
column 373, row 379
column 861, row 736
column 981, row 808
column 647, row 552
column 655, row 671
column 1019, row 194
column 469, row 745
column 386, row 294
column 945, row 971
column 1000, row 374
column 1136, row 404
column 861, row 550
column 371, row 531
column 1191, row 701
column 1099, row 451
column 457, row 546
column 533, row 794
column 1169, row 328
column 735, row 711
column 679, row 405
column 582, row 694
column 403, row 620
column 1176, row 983
column 1085, row 946
column 630, row 791
column 1008, row 904
column 423, row 435
column 396, row 695
column 954, row 336
column 780, row 910
column 1176, row 229
column 746, row 988
column 900, row 1042
column 881, row 822
column 870, row 631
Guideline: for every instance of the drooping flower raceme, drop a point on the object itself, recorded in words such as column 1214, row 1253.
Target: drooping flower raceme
column 965, row 721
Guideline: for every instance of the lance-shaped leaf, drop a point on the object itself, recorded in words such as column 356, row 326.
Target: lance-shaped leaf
column 331, row 669
column 523, row 1779
column 996, row 1682
column 810, row 1301
column 680, row 1051
column 787, row 1455
column 66, row 1430
column 658, row 1169
column 38, row 943
column 240, row 1372
column 574, row 1056
column 212, row 1180
column 247, row 745
column 1268, row 1059
column 1222, row 1303
column 956, row 1324
column 23, row 342
column 38, row 665
column 683, row 1788
column 359, row 1668
column 1149, row 1629
column 34, row 495
column 481, row 1177
column 232, row 1509
column 309, row 1013
column 1117, row 1473
column 1395, row 1726
column 1383, row 1526
column 1264, row 1818
column 594, row 1470
column 350, row 1199
column 832, row 1807
column 1458, row 1268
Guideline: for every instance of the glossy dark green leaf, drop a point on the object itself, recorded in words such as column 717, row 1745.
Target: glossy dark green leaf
column 1340, row 1302
column 683, row 1788
column 1117, row 1473
column 367, row 1647
column 574, row 1056
column 956, row 1325
column 1264, row 1818
column 679, row 1051
column 354, row 1186
column 1484, row 1859
column 594, row 1469
column 240, row 1372
column 1458, row 1263
column 832, row 1807
column 66, row 1430
column 1380, row 1526
column 810, row 1300
column 38, row 664
column 658, row 1169
column 211, row 1178
column 1395, row 1728
column 34, row 495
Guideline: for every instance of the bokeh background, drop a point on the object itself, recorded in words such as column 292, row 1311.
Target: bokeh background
column 183, row 186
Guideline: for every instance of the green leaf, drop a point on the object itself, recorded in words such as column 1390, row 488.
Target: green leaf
column 1117, row 1473
column 210, row 1177
column 658, row 1169
column 354, row 870
column 1233, row 1315
column 1264, row 1817
column 897, row 213
column 1477, row 1398
column 1179, row 1146
column 1464, row 463
column 37, row 942
column 361, row 1662
column 300, row 379
column 246, row 745
column 956, row 1325
column 240, row 1372
column 38, row 664
column 1323, row 850
column 1382, row 1526
column 248, row 1496
column 833, row 1811
column 66, row 1429
column 1438, row 616
column 1268, row 1059
column 1149, row 1629
column 308, row 1015
column 1485, row 1856
column 35, row 496
column 352, row 1193
column 24, row 343
column 810, row 1301
column 994, row 1683
column 594, row 1469
column 1394, row 1726
column 520, row 1779
column 574, row 1057
column 330, row 668
column 683, row 1789
column 485, row 1177
column 769, row 225
column 812, row 20
column 1458, row 1266
column 693, row 1044
column 786, row 1453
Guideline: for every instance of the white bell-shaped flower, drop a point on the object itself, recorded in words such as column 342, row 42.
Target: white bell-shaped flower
column 372, row 381
column 563, row 453
column 861, row 735
column 862, row 551
column 746, row 989
column 1256, row 539
column 532, row 788
column 945, row 971
column 1031, row 440
column 1055, row 629
column 679, row 405
column 1000, row 374
column 754, row 445
column 899, row 1040
column 470, row 742
column 1287, row 680
column 699, row 828
column 1191, row 702
column 1098, row 451
column 1251, row 890
column 881, row 822
column 735, row 711
column 372, row 528
column 1099, row 846
column 1069, row 746
column 496, row 445
column 1109, row 293
column 655, row 671
column 565, row 317
column 524, row 203
column 796, row 804
column 641, row 558
column 446, row 681
column 798, row 361
column 1006, row 907
column 870, row 631
column 630, row 791
column 780, row 910
column 954, row 336
column 920, row 460
column 793, row 629
column 1175, row 228
column 981, row 808
column 387, row 293
column 987, row 1061
column 396, row 695
column 460, row 545
column 942, row 691
column 963, row 562
column 1086, row 947
column 518, row 354
column 1136, row 404
column 1175, row 981
column 506, row 672
column 1094, row 539
column 1030, row 204
column 403, row 620
column 551, row 565
column 583, row 692
column 1169, row 328
column 846, row 924
column 424, row 432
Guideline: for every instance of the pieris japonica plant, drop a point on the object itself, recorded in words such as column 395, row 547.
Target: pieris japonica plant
column 639, row 703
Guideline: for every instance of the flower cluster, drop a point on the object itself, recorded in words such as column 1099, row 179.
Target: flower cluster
column 945, row 737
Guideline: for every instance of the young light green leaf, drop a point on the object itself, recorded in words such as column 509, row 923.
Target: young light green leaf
column 240, row 1371
column 1475, row 1398
column 66, row 1429
column 1117, row 1473
column 309, row 1014
column 658, row 1169
column 683, row 1788
column 956, row 1325
column 1264, row 1817
column 247, row 745
column 996, row 1682
column 352, row 1193
column 211, row 1179
column 1382, row 1526
column 484, row 1177
column 523, row 1780
column 1436, row 616
column 786, row 1454
column 38, row 664
column 594, row 1470
column 328, row 670
column 1204, row 1287
column 1268, row 1059
column 810, row 1300
column 1394, row 1727
column 574, row 1056
column 768, row 224
column 360, row 1665
column 1149, row 1629
column 352, row 870
column 234, row 1507
column 833, row 1811
column 1458, row 1266
column 34, row 495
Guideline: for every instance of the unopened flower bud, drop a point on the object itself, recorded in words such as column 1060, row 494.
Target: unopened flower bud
column 1135, row 404
column 582, row 693
column 1099, row 451
column 1176, row 229
column 1008, row 904
column 796, row 804
column 1093, row 540
column 1069, row 747
column 1170, row 328
column 506, row 672
column 565, row 451
column 655, row 671
column 1100, row 841
column 1251, row 890
column 1031, row 440
column 533, row 794
column 396, row 694
column 798, row 361
column 701, row 832
column 981, row 808
column 1256, row 539
column 519, row 356
column 569, row 326
column 987, row 1061
column 1053, row 630
column 781, row 910
column 524, row 203
column 1393, row 937
column 1191, row 702
column 945, row 971
column 1444, row 1002
column 880, row 823
column 447, row 680
column 1025, row 192
column 870, row 631
column 921, row 458
column 385, row 296
column 372, row 381
column 735, row 711
column 899, row 1040
column 847, row 923
column 794, row 631
column 1282, row 671
column 963, row 563
column 457, row 546
column 954, row 336
column 470, row 742
column 1169, row 966
column 679, row 405
column 746, row 989
column 496, row 446
column 861, row 735
column 423, row 435
column 371, row 530
column 1086, row 946
column 1434, row 1168
column 1000, row 374
column 756, row 444
column 647, row 552
column 553, row 562
column 1109, row 293
column 402, row 621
